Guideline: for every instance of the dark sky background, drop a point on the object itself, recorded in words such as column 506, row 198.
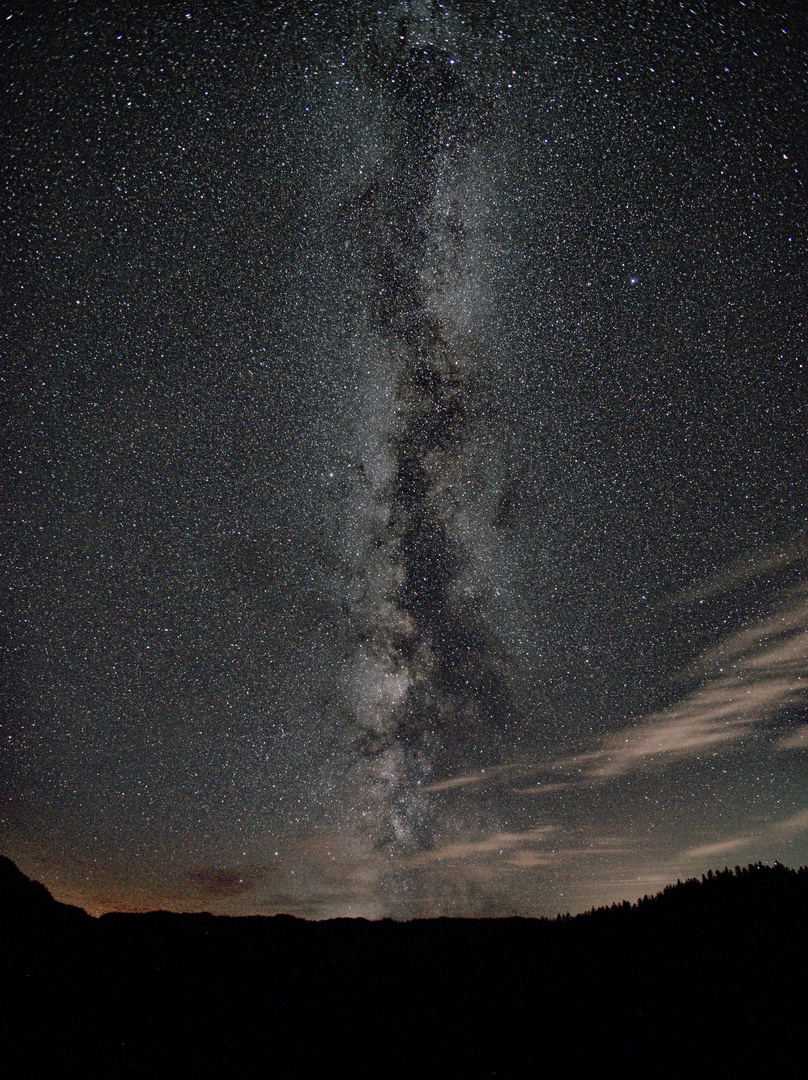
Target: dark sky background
column 404, row 495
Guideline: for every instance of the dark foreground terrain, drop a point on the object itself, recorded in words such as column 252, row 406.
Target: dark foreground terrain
column 707, row 979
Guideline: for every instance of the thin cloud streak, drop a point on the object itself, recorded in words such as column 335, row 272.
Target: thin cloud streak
column 545, row 789
column 795, row 740
column 770, row 559
column 746, row 679
column 778, row 831
column 482, row 777
column 749, row 677
column 722, row 847
column 497, row 844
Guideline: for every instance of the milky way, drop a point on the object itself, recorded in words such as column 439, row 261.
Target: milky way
column 421, row 681
column 406, row 490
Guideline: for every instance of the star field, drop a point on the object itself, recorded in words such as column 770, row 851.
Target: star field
column 404, row 488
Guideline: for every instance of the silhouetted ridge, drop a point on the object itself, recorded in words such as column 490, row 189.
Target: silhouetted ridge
column 708, row 977
column 751, row 886
column 18, row 893
column 25, row 901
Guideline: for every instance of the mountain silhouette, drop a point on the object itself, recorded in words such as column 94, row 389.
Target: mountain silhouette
column 708, row 978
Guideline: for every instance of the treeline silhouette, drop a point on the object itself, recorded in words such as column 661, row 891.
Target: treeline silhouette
column 708, row 978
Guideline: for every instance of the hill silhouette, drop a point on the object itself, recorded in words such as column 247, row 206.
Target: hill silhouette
column 708, row 978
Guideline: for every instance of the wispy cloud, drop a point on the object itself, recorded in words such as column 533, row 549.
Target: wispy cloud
column 796, row 739
column 766, row 561
column 772, row 833
column 746, row 679
column 545, row 789
column 482, row 776
column 496, row 845
column 722, row 847
column 792, row 826
column 545, row 845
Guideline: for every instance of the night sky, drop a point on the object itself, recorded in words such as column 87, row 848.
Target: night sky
column 404, row 475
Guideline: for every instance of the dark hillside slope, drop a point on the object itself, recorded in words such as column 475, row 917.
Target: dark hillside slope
column 708, row 978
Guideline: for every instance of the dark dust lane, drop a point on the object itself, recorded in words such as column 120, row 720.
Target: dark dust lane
column 424, row 692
